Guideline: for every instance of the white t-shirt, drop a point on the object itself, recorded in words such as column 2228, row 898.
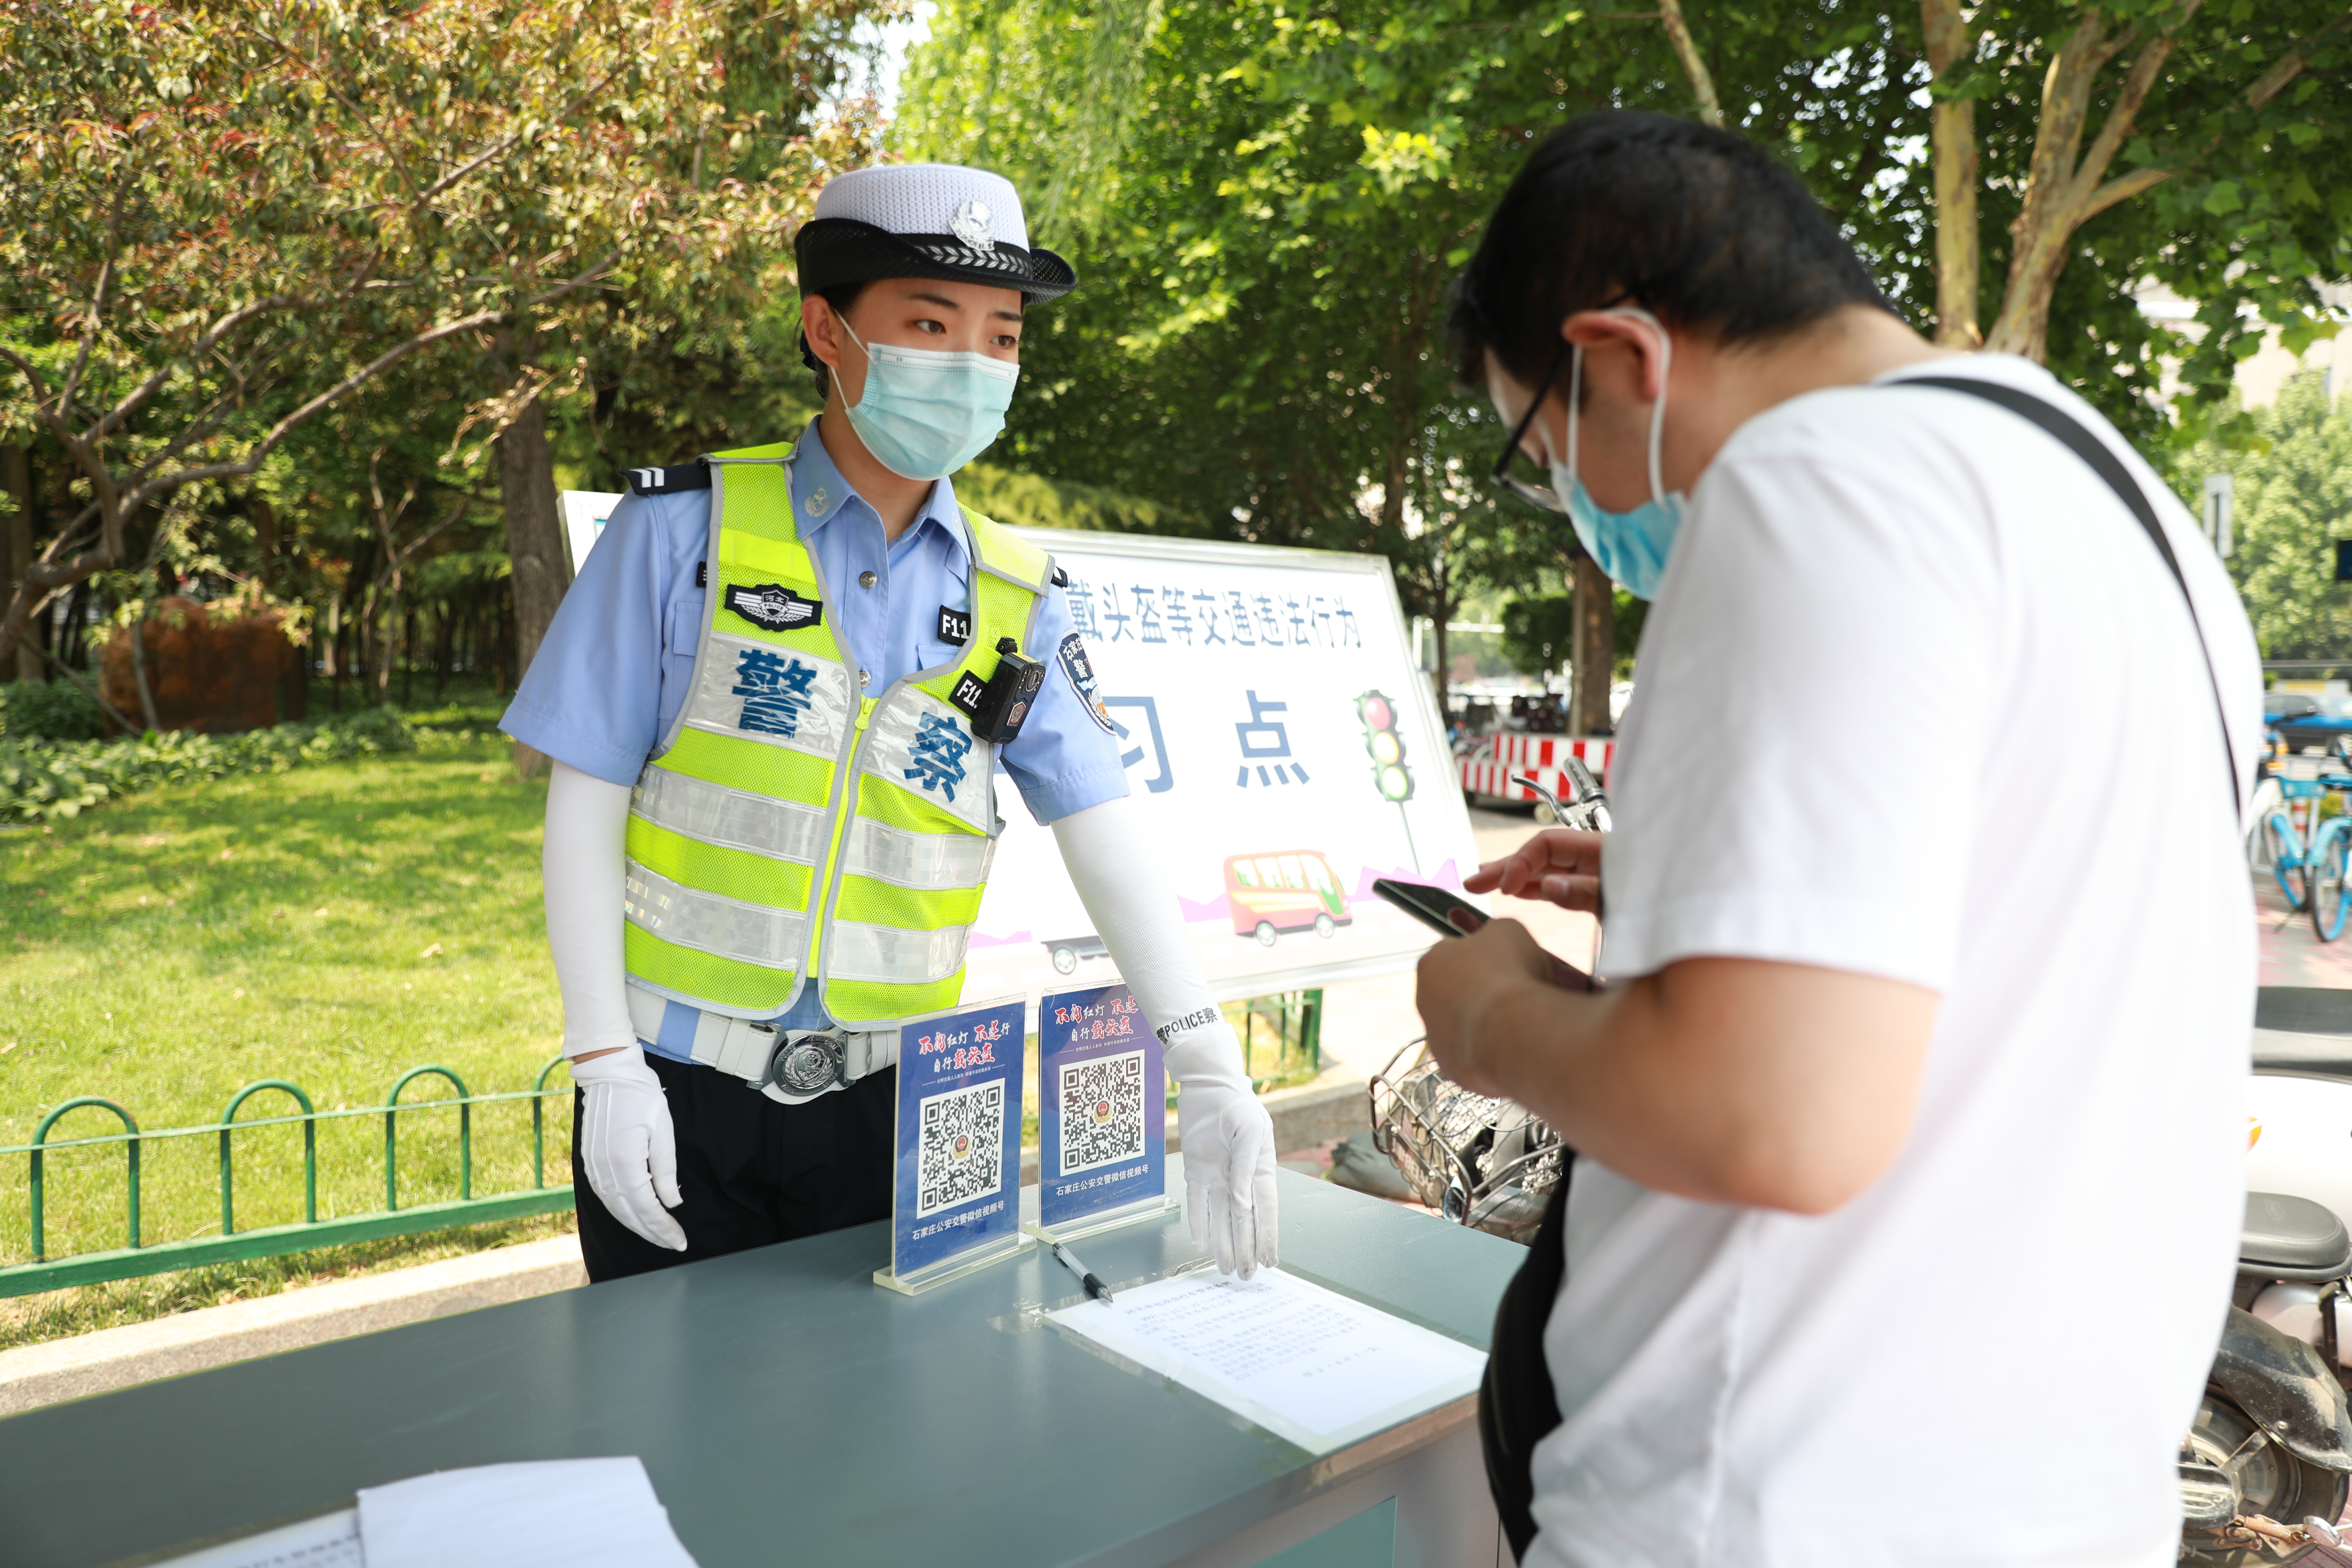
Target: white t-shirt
column 1918, row 699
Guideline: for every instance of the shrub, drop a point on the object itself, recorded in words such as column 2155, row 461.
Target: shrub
column 49, row 710
column 39, row 780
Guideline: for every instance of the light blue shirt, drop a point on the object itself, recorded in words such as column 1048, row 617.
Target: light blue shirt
column 614, row 670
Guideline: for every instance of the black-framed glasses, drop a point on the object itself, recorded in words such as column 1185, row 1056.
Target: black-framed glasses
column 1542, row 496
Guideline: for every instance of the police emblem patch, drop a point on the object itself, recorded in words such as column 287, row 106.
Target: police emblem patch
column 1080, row 668
column 775, row 606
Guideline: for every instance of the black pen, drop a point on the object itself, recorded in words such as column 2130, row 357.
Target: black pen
column 1070, row 1261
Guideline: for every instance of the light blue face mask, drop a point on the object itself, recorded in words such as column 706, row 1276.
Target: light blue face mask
column 925, row 413
column 1631, row 546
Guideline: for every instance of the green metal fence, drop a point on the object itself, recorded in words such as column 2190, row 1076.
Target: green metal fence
column 1281, row 1036
column 1281, row 1039
column 232, row 1244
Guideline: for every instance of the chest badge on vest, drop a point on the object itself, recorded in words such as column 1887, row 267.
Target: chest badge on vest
column 955, row 626
column 1080, row 668
column 773, row 606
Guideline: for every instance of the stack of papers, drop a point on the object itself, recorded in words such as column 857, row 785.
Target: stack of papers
column 559, row 1513
column 1308, row 1365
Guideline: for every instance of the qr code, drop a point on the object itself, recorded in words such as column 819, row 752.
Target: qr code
column 1102, row 1111
column 962, row 1154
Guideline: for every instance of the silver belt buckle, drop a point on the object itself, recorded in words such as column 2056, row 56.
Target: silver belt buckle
column 807, row 1063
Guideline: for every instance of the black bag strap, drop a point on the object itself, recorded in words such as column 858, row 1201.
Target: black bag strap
column 1516, row 1407
column 2071, row 433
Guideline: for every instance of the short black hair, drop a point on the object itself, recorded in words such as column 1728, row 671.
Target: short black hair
column 841, row 297
column 1701, row 228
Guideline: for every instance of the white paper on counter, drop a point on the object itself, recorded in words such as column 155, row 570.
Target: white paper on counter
column 547, row 1513
column 1309, row 1364
column 330, row 1541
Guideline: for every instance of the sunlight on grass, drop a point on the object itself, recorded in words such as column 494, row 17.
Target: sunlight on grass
column 334, row 926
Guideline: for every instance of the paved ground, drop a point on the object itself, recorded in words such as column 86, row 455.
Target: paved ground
column 2292, row 952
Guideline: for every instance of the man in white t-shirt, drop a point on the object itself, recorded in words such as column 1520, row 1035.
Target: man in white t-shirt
column 1910, row 1119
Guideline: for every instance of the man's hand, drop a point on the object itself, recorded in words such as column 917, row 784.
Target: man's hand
column 1560, row 864
column 1727, row 1080
column 1460, row 980
column 626, row 1144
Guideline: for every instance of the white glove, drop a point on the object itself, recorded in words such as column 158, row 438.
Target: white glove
column 1228, row 1137
column 625, row 1127
column 627, row 1145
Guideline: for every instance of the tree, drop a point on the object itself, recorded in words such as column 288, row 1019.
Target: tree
column 1254, row 348
column 2292, row 503
column 2227, row 110
column 223, row 219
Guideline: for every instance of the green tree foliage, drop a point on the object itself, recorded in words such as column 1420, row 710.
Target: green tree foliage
column 229, row 228
column 1271, row 200
column 1539, row 631
column 2292, row 503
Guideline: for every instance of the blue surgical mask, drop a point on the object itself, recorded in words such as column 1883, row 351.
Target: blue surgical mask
column 925, row 413
column 1631, row 546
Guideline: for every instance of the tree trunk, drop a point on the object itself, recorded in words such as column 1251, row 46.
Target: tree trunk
column 1441, row 677
column 534, row 542
column 1593, row 657
column 265, row 541
column 2063, row 191
column 138, row 674
column 1701, row 83
column 16, row 557
column 1954, row 133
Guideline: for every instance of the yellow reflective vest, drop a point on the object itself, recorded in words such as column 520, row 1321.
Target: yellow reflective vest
column 790, row 826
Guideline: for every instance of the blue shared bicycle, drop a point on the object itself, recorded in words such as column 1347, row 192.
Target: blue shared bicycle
column 2313, row 877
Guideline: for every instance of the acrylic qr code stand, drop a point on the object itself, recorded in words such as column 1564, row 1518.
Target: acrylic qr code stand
column 955, row 1205
column 1098, row 1030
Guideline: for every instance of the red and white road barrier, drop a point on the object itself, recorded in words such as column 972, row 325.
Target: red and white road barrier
column 1487, row 771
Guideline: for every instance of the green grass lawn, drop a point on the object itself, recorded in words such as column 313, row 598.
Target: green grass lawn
column 333, row 925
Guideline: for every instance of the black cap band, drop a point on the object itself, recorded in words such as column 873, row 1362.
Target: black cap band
column 836, row 250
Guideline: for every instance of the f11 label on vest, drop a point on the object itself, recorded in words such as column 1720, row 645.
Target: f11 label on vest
column 773, row 606
column 998, row 706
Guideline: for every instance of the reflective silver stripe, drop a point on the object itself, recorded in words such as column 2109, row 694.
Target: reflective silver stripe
column 775, row 695
column 731, row 818
column 712, row 922
column 927, row 862
column 858, row 952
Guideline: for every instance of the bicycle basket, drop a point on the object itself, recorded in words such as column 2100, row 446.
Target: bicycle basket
column 1480, row 1162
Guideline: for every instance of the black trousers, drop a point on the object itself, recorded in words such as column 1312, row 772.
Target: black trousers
column 751, row 1171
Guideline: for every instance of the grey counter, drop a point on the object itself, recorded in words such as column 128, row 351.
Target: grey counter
column 788, row 1411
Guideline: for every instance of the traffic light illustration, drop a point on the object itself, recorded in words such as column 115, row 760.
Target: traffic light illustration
column 1389, row 775
column 1386, row 746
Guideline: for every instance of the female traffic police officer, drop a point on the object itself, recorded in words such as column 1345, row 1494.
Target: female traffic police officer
column 775, row 699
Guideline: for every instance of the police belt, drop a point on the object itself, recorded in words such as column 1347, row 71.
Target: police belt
column 789, row 1065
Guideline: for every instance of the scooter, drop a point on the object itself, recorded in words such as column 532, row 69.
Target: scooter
column 2272, row 1439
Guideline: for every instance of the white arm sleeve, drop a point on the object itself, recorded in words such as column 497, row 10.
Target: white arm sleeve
column 1108, row 853
column 582, row 866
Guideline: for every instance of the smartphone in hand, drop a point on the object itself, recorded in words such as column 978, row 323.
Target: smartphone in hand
column 1441, row 911
column 1450, row 915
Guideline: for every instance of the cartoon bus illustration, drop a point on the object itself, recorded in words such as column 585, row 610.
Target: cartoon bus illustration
column 1288, row 890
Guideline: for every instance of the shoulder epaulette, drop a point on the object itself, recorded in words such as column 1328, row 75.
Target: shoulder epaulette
column 670, row 481
column 1061, row 578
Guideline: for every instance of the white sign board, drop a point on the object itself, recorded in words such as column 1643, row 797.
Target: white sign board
column 1250, row 687
column 585, row 513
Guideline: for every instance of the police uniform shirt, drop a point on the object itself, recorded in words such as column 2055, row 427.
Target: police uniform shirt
column 614, row 668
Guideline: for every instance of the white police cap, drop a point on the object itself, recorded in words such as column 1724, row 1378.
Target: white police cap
column 925, row 220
